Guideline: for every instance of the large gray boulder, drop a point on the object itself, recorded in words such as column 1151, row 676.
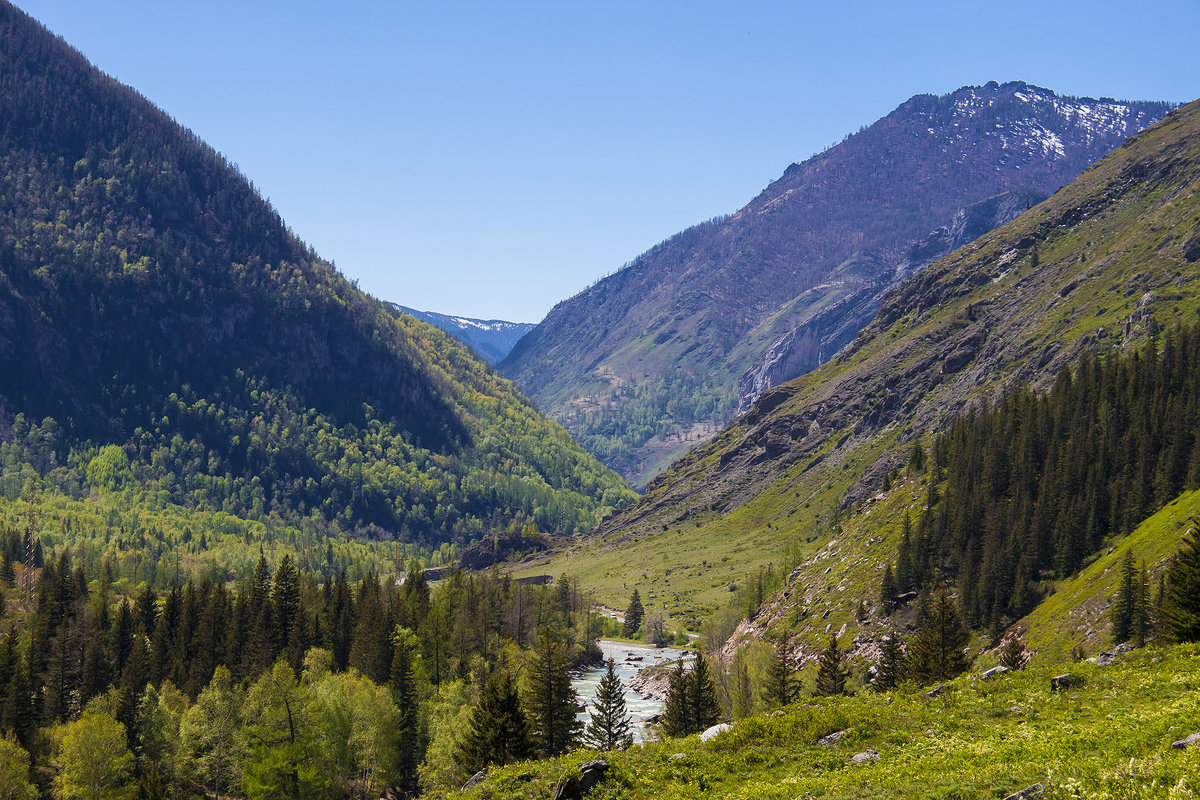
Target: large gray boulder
column 714, row 731
column 590, row 774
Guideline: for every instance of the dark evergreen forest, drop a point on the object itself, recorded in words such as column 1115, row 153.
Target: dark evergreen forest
column 1026, row 491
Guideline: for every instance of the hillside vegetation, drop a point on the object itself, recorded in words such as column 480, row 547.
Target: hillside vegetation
column 163, row 333
column 1109, row 736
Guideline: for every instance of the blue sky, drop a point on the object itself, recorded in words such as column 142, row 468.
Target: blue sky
column 490, row 159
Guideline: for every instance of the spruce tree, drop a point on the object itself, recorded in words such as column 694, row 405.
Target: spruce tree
column 705, row 710
column 937, row 650
column 497, row 732
column 609, row 726
column 780, row 688
column 1181, row 606
column 1123, row 608
column 633, row 615
column 550, row 699
column 404, row 692
column 831, row 673
column 889, row 671
column 887, row 589
column 1013, row 653
column 677, row 717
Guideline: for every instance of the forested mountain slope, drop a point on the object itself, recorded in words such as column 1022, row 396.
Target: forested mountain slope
column 646, row 362
column 1107, row 258
column 162, row 329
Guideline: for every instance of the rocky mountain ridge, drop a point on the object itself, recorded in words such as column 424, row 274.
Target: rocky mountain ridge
column 1012, row 308
column 658, row 348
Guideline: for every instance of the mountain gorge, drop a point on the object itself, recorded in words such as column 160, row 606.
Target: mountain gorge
column 162, row 331
column 648, row 362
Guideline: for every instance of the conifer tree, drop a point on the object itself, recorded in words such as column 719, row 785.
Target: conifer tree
column 1123, row 608
column 1181, row 607
column 497, row 732
column 887, row 589
column 677, row 717
column 889, row 671
column 404, row 692
column 705, row 709
column 550, row 699
column 609, row 726
column 937, row 650
column 780, row 688
column 831, row 673
column 633, row 615
column 1013, row 653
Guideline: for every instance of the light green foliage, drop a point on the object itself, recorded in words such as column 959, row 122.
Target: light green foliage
column 355, row 723
column 108, row 468
column 157, row 722
column 211, row 734
column 1108, row 738
column 91, row 758
column 14, row 771
column 284, row 758
column 449, row 722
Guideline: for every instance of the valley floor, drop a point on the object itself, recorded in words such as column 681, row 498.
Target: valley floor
column 1109, row 736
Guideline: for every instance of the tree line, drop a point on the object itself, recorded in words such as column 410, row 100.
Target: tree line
column 285, row 685
column 1025, row 491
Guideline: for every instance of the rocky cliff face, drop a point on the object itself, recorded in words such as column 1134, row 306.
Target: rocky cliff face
column 656, row 350
column 821, row 335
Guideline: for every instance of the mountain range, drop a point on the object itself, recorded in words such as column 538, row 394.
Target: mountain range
column 492, row 339
column 657, row 357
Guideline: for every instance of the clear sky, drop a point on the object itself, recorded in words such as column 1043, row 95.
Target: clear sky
column 492, row 158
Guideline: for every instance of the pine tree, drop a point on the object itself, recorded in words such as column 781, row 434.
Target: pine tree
column 887, row 589
column 1123, row 608
column 1181, row 607
column 609, row 726
column 285, row 596
column 1013, row 653
column 633, row 615
column 780, row 688
column 705, row 710
column 937, row 650
column 889, row 671
column 550, row 699
column 677, row 716
column 831, row 673
column 497, row 731
column 404, row 692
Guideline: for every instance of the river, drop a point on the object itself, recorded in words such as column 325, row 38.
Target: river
column 640, row 709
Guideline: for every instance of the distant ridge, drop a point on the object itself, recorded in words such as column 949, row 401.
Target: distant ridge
column 645, row 364
column 492, row 339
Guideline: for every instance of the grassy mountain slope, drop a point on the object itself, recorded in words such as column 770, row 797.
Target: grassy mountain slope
column 1108, row 737
column 646, row 362
column 151, row 300
column 1083, row 270
column 1077, row 613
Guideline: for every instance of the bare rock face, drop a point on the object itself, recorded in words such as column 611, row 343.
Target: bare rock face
column 823, row 334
